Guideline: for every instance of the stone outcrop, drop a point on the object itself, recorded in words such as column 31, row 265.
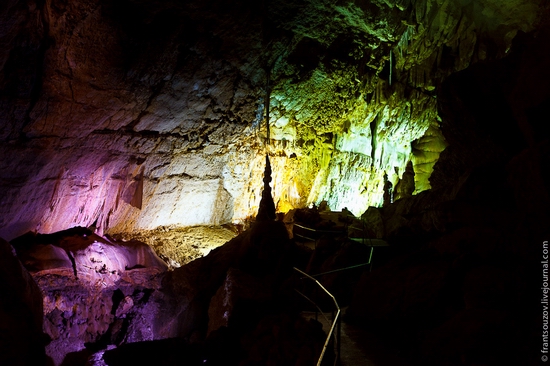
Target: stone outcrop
column 240, row 300
column 455, row 288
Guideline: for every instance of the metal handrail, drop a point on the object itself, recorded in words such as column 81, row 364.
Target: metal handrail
column 341, row 269
column 314, row 304
column 334, row 320
column 320, row 231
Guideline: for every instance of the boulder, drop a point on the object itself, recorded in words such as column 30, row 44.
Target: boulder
column 370, row 226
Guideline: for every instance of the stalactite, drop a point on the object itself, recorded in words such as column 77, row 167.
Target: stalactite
column 391, row 67
column 404, row 42
column 267, row 103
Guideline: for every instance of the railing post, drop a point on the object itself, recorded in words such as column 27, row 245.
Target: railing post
column 339, row 337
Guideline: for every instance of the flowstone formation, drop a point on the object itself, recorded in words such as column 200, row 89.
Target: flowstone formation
column 362, row 102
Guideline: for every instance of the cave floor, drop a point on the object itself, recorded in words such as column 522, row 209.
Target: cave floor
column 360, row 347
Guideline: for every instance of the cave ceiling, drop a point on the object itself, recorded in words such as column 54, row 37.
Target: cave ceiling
column 140, row 114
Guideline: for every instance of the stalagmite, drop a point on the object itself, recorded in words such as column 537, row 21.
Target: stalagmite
column 266, row 211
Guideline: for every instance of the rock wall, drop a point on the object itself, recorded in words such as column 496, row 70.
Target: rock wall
column 140, row 114
column 465, row 253
column 21, row 339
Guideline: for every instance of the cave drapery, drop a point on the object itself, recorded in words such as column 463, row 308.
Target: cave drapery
column 140, row 114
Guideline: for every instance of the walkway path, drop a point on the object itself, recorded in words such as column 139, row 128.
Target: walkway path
column 359, row 347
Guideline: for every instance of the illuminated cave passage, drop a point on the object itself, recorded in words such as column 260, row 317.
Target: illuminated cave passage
column 133, row 146
column 140, row 115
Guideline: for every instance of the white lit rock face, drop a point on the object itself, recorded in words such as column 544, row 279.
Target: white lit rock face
column 138, row 115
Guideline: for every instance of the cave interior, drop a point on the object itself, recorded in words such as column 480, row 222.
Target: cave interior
column 159, row 158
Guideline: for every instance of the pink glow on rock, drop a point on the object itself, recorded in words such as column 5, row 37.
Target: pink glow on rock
column 92, row 259
column 91, row 285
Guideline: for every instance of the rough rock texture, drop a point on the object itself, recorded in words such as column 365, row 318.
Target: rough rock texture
column 21, row 339
column 95, row 292
column 182, row 245
column 142, row 114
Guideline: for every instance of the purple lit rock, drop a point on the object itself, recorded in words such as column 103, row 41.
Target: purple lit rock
column 96, row 292
column 91, row 257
